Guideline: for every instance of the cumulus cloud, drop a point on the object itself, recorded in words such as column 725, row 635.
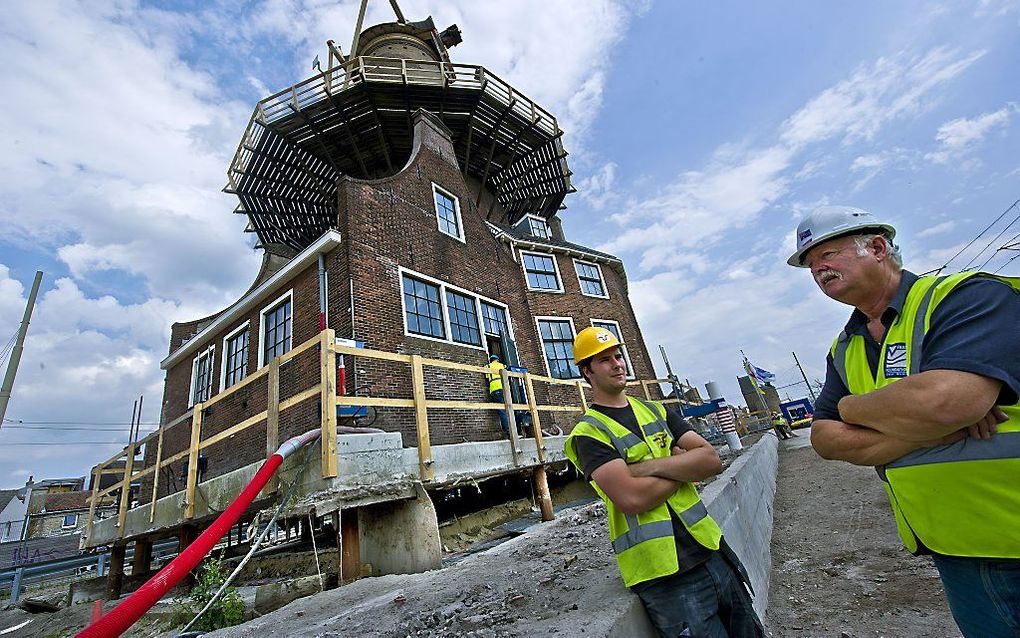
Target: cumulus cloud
column 957, row 137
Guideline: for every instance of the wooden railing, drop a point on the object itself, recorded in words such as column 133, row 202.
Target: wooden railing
column 325, row 390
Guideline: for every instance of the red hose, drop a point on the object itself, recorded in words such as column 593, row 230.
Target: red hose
column 134, row 607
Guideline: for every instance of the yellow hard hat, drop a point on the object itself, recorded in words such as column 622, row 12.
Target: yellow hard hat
column 591, row 341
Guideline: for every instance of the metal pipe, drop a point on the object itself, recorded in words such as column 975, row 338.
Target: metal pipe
column 322, row 292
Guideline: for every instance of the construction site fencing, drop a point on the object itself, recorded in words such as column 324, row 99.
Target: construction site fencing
column 328, row 347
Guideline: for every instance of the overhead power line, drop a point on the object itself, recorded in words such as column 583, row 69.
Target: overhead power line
column 22, row 421
column 65, row 428
column 978, row 236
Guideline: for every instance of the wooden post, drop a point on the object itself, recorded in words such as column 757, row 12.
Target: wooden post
column 648, row 394
column 511, row 416
column 97, row 478
column 541, row 483
column 155, row 474
column 421, row 419
column 125, row 489
column 196, row 438
column 185, row 537
column 327, row 399
column 142, row 560
column 584, row 401
column 536, row 423
column 273, row 422
column 350, row 548
column 115, row 578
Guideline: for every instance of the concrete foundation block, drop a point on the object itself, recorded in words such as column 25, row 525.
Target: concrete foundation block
column 401, row 537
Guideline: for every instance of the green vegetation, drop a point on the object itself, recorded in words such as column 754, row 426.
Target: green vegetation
column 228, row 610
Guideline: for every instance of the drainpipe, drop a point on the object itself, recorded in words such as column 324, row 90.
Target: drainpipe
column 322, row 292
column 134, row 607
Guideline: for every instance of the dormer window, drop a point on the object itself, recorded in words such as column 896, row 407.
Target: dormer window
column 535, row 226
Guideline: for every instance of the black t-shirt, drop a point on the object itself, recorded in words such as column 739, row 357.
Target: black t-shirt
column 592, row 454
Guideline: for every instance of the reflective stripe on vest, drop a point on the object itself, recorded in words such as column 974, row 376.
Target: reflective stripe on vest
column 956, row 499
column 645, row 544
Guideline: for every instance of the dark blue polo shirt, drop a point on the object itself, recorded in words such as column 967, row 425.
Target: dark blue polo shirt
column 976, row 328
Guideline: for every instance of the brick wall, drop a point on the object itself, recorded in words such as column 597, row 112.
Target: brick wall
column 386, row 225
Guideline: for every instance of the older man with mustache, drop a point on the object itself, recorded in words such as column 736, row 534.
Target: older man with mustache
column 924, row 384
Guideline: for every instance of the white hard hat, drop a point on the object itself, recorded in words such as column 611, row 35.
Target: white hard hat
column 828, row 222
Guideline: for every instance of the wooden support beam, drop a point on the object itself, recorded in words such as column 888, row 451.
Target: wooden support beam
column 125, row 489
column 142, row 560
column 185, row 537
column 327, row 398
column 273, row 422
column 350, row 547
column 155, row 476
column 541, row 484
column 492, row 147
column 644, row 387
column 536, row 420
column 421, row 419
column 192, row 485
column 115, row 578
column 511, row 417
column 580, row 391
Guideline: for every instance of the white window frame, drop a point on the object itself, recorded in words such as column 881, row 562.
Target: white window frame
column 64, row 525
column 556, row 267
column 541, row 342
column 213, row 387
column 436, row 188
column 626, row 355
column 526, row 222
column 443, row 287
column 226, row 350
column 602, row 278
column 287, row 296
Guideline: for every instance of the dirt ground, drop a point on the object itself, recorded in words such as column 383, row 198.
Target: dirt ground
column 838, row 567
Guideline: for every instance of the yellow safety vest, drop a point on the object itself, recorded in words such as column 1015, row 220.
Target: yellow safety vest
column 495, row 380
column 644, row 544
column 961, row 499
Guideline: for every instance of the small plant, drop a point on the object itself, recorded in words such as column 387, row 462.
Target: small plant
column 228, row 610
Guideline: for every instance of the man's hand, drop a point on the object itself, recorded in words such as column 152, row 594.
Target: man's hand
column 988, row 425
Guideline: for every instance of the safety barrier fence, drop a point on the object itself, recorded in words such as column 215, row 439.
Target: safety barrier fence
column 326, row 391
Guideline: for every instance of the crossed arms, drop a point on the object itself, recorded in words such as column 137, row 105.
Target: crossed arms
column 639, row 487
column 931, row 408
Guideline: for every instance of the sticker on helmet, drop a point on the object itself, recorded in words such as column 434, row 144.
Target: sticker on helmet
column 603, row 337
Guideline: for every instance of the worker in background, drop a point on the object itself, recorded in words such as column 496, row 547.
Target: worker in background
column 643, row 462
column 923, row 383
column 496, row 390
column 781, row 426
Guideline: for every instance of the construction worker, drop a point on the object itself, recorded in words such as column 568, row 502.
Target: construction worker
column 496, row 390
column 643, row 462
column 923, row 383
column 781, row 426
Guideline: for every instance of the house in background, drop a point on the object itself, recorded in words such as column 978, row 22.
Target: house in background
column 13, row 510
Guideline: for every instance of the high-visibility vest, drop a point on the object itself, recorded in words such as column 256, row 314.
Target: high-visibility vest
column 961, row 499
column 644, row 544
column 495, row 380
column 779, row 421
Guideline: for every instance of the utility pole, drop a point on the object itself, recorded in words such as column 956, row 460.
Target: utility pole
column 19, row 346
column 673, row 379
column 810, row 390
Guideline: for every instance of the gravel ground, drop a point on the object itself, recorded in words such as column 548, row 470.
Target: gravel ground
column 838, row 567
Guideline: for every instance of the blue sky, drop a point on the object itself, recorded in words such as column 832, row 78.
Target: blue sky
column 698, row 132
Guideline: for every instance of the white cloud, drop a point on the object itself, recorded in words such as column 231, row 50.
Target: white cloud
column 599, row 188
column 958, row 136
column 937, row 229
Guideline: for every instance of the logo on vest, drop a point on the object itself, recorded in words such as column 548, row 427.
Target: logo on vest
column 895, row 360
column 660, row 439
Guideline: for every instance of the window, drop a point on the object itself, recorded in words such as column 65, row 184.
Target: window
column 541, row 272
column 590, row 278
column 235, row 356
column 6, row 531
column 70, row 520
column 494, row 320
column 276, row 329
column 614, row 328
column 447, row 213
column 422, row 311
column 463, row 319
column 538, row 227
column 558, row 344
column 202, row 376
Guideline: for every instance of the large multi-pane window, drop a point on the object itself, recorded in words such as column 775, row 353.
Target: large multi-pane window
column 202, row 377
column 235, row 357
column 541, row 271
column 422, row 309
column 447, row 213
column 590, row 278
column 614, row 328
column 277, row 322
column 463, row 319
column 558, row 345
